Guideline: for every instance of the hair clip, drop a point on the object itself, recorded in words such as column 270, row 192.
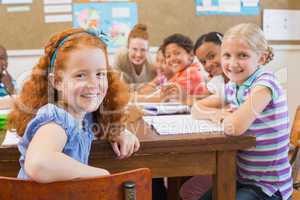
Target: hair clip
column 100, row 34
column 220, row 37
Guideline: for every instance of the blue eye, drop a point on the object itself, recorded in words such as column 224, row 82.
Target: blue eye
column 101, row 74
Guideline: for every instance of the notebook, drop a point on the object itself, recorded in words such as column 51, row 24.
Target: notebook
column 164, row 108
column 11, row 138
column 181, row 124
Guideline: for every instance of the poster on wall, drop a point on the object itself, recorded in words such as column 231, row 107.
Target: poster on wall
column 227, row 7
column 113, row 18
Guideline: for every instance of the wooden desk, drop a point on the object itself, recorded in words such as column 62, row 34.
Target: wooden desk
column 171, row 156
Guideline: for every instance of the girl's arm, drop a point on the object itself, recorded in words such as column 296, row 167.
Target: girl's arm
column 209, row 108
column 147, row 88
column 45, row 161
column 152, row 97
column 7, row 101
column 241, row 119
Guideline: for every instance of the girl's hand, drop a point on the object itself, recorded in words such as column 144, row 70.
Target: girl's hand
column 220, row 115
column 125, row 145
column 230, row 109
column 172, row 92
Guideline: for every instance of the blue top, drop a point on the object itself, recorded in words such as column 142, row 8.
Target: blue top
column 79, row 139
column 3, row 91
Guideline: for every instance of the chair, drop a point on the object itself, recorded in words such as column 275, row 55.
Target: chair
column 96, row 188
column 295, row 157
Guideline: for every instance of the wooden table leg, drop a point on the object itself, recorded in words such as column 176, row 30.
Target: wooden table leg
column 174, row 184
column 225, row 177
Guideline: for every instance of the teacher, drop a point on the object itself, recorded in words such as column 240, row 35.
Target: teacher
column 133, row 62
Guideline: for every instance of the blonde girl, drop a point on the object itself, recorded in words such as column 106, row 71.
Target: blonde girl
column 255, row 105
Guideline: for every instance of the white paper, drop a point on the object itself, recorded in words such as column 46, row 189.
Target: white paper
column 281, row 24
column 207, row 6
column 57, row 8
column 164, row 108
column 18, row 9
column 57, row 1
column 120, row 12
column 230, row 5
column 206, row 3
column 250, row 3
column 58, row 18
column 11, row 138
column 181, row 124
column 16, row 1
column 4, row 111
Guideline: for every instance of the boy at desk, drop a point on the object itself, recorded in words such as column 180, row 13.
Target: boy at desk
column 7, row 88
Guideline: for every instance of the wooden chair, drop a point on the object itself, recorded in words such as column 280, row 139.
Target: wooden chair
column 295, row 155
column 97, row 188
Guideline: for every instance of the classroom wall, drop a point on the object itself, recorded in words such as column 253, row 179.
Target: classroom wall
column 163, row 17
column 285, row 66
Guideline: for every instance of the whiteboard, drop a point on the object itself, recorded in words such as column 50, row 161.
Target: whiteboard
column 279, row 24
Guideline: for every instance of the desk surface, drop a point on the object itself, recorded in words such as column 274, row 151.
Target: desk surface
column 171, row 156
column 151, row 144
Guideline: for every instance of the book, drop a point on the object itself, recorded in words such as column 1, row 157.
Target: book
column 181, row 124
column 11, row 139
column 164, row 108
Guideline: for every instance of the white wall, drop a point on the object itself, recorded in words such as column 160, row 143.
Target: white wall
column 285, row 66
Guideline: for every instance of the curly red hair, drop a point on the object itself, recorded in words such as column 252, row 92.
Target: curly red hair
column 37, row 91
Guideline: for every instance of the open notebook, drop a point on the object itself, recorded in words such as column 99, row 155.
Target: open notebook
column 11, row 138
column 164, row 108
column 181, row 124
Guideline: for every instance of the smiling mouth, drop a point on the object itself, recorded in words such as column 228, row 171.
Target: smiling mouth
column 90, row 95
column 235, row 71
column 175, row 65
column 138, row 60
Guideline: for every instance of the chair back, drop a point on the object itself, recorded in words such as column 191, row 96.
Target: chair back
column 96, row 188
column 295, row 157
column 295, row 131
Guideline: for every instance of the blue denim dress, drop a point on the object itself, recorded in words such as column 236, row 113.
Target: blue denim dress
column 79, row 138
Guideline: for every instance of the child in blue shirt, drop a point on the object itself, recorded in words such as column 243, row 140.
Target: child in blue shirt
column 71, row 97
column 6, row 81
column 7, row 88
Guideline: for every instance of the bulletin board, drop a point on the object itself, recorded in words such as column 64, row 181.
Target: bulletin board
column 27, row 30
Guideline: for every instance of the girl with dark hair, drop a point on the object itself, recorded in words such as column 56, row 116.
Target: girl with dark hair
column 208, row 49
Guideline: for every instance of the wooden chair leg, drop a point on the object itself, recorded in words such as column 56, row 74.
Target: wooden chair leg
column 296, row 195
